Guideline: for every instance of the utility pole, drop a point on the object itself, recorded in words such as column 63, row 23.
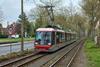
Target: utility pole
column 22, row 30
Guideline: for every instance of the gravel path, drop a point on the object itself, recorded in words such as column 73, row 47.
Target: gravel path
column 80, row 60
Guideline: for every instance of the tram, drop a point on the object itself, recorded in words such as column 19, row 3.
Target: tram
column 47, row 39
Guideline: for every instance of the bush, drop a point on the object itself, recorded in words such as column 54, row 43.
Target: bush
column 3, row 36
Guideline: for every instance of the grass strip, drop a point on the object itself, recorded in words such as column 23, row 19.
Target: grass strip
column 14, row 39
column 92, row 53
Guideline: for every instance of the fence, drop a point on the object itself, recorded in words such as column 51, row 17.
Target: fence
column 14, row 47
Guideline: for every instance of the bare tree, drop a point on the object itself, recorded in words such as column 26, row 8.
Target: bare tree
column 41, row 13
column 64, row 15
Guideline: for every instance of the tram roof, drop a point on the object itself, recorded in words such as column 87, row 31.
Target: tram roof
column 49, row 29
column 60, row 30
column 45, row 29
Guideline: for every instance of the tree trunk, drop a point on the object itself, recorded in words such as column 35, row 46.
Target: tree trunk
column 98, row 41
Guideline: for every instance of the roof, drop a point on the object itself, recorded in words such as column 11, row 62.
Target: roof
column 49, row 29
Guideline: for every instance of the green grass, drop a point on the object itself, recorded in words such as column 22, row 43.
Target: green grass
column 14, row 40
column 92, row 53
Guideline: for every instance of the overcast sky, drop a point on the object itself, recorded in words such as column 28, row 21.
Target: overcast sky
column 11, row 9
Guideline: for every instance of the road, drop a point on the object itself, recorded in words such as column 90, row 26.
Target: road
column 14, row 47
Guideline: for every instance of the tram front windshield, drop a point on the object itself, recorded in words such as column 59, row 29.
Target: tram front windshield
column 43, row 38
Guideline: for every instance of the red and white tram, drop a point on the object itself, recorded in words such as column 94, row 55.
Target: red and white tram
column 49, row 38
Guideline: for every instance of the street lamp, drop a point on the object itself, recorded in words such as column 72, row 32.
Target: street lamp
column 22, row 30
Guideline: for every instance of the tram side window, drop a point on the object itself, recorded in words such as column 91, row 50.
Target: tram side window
column 58, row 37
column 63, row 37
column 66, row 38
column 53, row 38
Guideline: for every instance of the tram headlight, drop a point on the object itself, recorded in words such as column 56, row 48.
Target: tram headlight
column 49, row 43
column 36, row 43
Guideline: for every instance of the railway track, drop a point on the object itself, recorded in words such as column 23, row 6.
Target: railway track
column 22, row 60
column 65, row 59
column 51, row 61
column 27, row 63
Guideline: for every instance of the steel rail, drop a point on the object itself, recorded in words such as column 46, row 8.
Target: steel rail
column 73, row 57
column 17, row 60
column 33, row 59
column 52, row 65
column 25, row 63
column 23, row 59
column 47, row 64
